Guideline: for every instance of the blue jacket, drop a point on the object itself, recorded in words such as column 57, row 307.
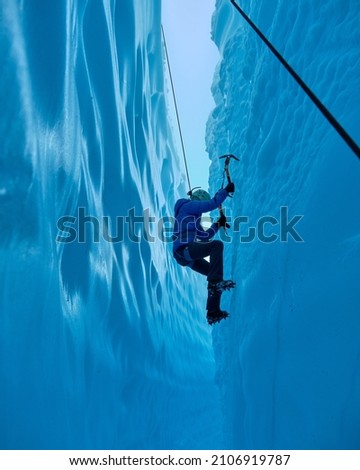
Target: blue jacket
column 187, row 227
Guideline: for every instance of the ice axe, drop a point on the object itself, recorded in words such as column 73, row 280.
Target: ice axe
column 226, row 173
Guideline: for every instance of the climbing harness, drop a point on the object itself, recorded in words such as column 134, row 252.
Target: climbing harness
column 337, row 126
column 226, row 173
column 176, row 109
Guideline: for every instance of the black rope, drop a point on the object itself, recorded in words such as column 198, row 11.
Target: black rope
column 351, row 143
column 176, row 109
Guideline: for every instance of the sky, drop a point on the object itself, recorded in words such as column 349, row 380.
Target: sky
column 193, row 58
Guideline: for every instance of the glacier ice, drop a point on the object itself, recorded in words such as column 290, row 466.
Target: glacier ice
column 105, row 345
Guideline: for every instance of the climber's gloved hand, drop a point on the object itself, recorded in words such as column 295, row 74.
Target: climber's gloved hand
column 230, row 188
column 222, row 221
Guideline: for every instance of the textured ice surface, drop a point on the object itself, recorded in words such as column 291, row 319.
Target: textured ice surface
column 105, row 345
column 102, row 345
column 288, row 362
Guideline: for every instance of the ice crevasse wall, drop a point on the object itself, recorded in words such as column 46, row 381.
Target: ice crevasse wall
column 102, row 345
column 288, row 362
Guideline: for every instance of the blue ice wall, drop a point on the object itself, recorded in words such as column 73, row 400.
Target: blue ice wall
column 103, row 345
column 288, row 361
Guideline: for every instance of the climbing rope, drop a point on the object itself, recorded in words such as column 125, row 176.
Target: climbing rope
column 351, row 143
column 176, row 109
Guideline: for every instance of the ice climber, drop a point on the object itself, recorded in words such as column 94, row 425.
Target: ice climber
column 192, row 244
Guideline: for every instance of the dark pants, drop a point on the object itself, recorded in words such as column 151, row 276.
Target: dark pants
column 212, row 269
